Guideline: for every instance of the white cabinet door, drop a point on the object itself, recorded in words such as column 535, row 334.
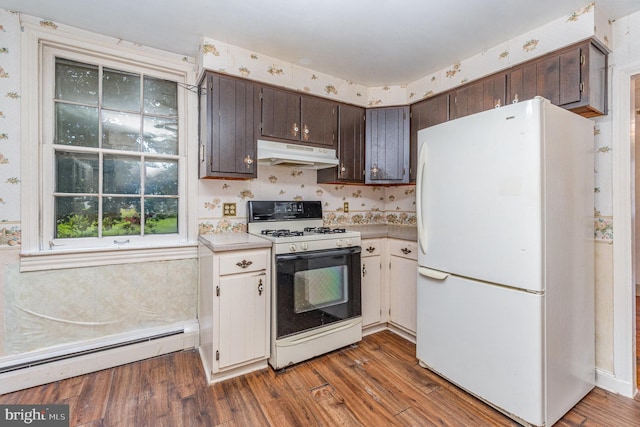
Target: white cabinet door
column 371, row 290
column 402, row 292
column 243, row 319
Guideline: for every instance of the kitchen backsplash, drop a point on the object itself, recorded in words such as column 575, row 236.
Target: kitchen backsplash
column 367, row 204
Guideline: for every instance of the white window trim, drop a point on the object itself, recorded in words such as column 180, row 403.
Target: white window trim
column 36, row 253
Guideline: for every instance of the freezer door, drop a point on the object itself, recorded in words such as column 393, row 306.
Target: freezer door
column 486, row 339
column 479, row 196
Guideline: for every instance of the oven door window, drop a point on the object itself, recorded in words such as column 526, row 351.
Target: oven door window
column 317, row 288
column 320, row 288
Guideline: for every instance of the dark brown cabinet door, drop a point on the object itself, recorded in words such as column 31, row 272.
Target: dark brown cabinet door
column 570, row 76
column 319, row 121
column 290, row 116
column 351, row 128
column 227, row 127
column 467, row 100
column 387, row 145
column 424, row 114
column 548, row 79
column 479, row 96
column 583, row 84
column 523, row 83
column 280, row 114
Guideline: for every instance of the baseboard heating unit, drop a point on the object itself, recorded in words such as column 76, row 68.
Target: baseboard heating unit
column 69, row 361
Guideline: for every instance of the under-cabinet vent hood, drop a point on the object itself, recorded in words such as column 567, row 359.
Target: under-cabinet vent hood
column 300, row 156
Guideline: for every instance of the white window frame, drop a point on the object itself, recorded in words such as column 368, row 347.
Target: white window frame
column 40, row 251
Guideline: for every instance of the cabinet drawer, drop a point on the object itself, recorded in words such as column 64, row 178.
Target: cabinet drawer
column 403, row 248
column 242, row 262
column 371, row 247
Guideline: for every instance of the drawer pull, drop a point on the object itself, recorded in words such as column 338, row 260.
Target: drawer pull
column 260, row 287
column 406, row 251
column 370, row 249
column 244, row 263
column 364, row 270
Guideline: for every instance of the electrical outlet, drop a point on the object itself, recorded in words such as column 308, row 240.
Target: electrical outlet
column 345, row 207
column 228, row 209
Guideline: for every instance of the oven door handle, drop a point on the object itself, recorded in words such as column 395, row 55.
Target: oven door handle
column 314, row 254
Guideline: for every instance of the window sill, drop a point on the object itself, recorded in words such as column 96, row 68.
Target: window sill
column 56, row 260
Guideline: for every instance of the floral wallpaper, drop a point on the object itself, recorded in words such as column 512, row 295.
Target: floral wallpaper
column 367, row 204
column 10, row 232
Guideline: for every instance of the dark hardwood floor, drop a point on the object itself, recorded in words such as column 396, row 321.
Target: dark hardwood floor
column 374, row 383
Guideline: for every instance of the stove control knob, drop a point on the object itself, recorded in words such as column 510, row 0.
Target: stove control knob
column 293, row 247
column 339, row 243
column 349, row 242
column 305, row 246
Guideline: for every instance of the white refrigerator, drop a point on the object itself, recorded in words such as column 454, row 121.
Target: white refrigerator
column 505, row 290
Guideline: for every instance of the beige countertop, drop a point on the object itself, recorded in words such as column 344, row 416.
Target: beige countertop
column 233, row 241
column 403, row 232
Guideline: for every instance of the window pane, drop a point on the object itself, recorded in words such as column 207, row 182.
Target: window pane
column 76, row 82
column 121, row 216
column 120, row 90
column 161, row 216
column 76, row 125
column 120, row 131
column 160, row 97
column 161, row 178
column 76, row 217
column 121, row 175
column 77, row 172
column 160, row 135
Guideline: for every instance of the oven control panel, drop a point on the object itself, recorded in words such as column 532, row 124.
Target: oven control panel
column 315, row 245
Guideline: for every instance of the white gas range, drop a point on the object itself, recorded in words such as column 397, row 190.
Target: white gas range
column 304, row 235
column 316, row 306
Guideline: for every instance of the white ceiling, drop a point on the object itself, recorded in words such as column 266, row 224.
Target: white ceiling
column 371, row 42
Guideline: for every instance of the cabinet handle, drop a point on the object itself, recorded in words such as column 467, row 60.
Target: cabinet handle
column 498, row 103
column 244, row 263
column 248, row 161
column 343, row 169
column 306, row 132
column 405, row 251
column 364, row 271
column 374, row 170
column 370, row 249
column 515, row 99
column 295, row 129
column 260, row 287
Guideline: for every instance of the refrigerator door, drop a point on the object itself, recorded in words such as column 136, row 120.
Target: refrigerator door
column 479, row 200
column 487, row 339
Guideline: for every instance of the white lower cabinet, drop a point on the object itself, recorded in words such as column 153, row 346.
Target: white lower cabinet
column 403, row 267
column 233, row 311
column 371, row 272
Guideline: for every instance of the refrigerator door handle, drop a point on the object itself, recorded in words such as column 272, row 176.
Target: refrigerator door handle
column 422, row 161
column 433, row 274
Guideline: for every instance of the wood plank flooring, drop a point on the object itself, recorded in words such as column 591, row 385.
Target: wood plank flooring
column 377, row 382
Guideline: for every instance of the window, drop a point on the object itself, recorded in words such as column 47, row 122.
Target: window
column 109, row 164
column 115, row 149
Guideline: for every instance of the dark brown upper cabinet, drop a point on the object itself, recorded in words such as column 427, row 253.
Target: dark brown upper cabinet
column 228, row 127
column 351, row 130
column 289, row 116
column 387, row 145
column 424, row 114
column 574, row 78
column 489, row 92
